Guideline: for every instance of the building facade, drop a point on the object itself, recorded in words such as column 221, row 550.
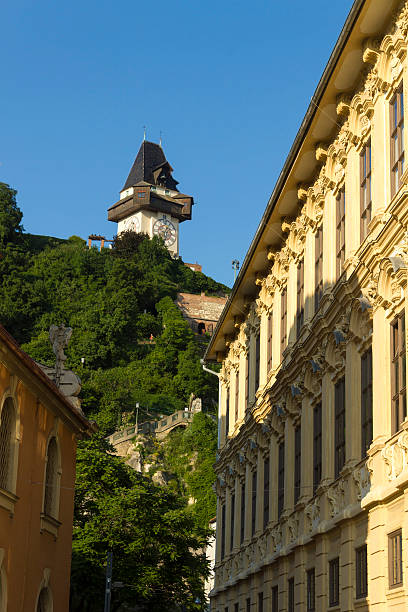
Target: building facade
column 39, row 427
column 150, row 201
column 200, row 311
column 312, row 468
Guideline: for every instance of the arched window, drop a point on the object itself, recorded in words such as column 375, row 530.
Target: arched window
column 44, row 601
column 7, row 443
column 51, row 480
column 201, row 328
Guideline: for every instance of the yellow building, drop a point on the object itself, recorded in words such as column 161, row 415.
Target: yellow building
column 312, row 469
column 39, row 429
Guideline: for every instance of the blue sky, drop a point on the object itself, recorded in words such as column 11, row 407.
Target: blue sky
column 226, row 82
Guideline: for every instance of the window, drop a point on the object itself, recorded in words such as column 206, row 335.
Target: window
column 395, row 558
column 227, row 410
column 334, row 591
column 317, row 446
column 298, row 462
column 242, row 533
column 236, row 395
column 140, row 194
column 257, row 356
column 365, row 190
column 226, row 609
column 7, row 441
column 266, row 494
column 248, row 605
column 310, row 593
column 291, row 595
column 284, row 308
column 236, row 607
column 270, row 325
column 397, row 140
column 281, row 478
column 275, row 599
column 253, row 516
column 260, row 602
column 232, row 521
column 300, row 306
column 361, row 572
column 247, row 381
column 340, row 231
column 51, row 479
column 318, row 267
column 44, row 601
column 339, row 427
column 398, row 377
column 366, row 401
column 222, row 531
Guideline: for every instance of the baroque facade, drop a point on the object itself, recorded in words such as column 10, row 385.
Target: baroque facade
column 312, row 467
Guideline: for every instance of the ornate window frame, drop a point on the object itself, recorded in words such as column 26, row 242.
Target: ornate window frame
column 50, row 523
column 8, row 497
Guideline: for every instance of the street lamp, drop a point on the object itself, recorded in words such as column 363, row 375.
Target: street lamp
column 235, row 267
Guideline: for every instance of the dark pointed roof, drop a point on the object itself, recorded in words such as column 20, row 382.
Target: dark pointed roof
column 151, row 166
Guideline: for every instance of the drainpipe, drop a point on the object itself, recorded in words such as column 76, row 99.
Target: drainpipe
column 219, row 398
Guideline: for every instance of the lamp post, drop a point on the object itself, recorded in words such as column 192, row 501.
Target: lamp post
column 235, row 267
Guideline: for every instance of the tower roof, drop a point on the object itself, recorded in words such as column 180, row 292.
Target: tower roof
column 151, row 166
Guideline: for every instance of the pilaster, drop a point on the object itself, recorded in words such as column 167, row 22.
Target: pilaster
column 327, row 428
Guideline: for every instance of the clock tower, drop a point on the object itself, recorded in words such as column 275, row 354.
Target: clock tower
column 150, row 201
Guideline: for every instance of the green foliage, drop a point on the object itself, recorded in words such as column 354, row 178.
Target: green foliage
column 10, row 215
column 130, row 345
column 154, row 541
column 190, row 455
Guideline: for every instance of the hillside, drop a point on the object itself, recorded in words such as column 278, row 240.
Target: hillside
column 130, row 344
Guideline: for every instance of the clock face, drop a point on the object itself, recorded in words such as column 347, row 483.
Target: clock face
column 132, row 225
column 166, row 230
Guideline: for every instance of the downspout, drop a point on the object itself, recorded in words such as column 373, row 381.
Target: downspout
column 219, row 398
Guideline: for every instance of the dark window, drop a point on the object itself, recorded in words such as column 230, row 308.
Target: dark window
column 366, row 401
column 257, row 357
column 270, row 325
column 291, row 595
column 247, row 381
column 232, row 521
column 275, row 599
column 266, row 493
column 281, row 478
column 226, row 609
column 361, row 572
column 365, row 190
column 253, row 517
column 298, row 462
column 318, row 267
column 260, row 602
column 334, row 591
column 242, row 533
column 248, row 605
column 395, row 558
column 397, row 140
column 227, row 410
column 300, row 306
column 236, row 607
column 310, row 603
column 222, row 531
column 201, row 328
column 398, row 376
column 236, row 395
column 339, row 427
column 51, row 473
column 7, row 433
column 317, row 446
column 284, row 308
column 141, row 194
column 340, row 231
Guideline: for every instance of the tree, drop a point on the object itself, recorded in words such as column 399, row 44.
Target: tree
column 10, row 215
column 155, row 543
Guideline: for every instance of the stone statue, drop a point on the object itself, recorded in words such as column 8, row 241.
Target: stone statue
column 59, row 337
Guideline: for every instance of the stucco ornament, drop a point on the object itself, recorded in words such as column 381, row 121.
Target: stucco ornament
column 292, row 527
column 277, row 539
column 312, row 512
column 335, row 495
column 361, row 477
column 396, row 456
